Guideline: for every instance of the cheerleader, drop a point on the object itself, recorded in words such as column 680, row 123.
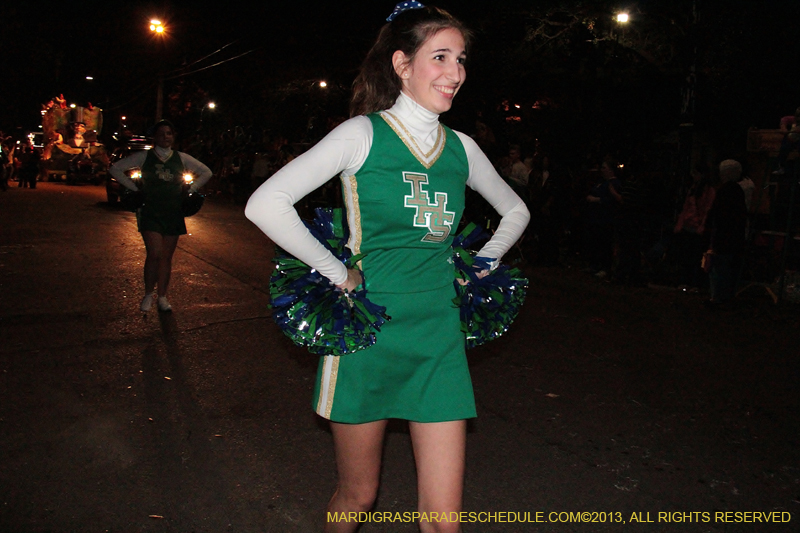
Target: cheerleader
column 404, row 177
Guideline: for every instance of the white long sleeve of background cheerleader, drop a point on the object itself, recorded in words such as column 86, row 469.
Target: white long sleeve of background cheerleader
column 343, row 152
column 199, row 171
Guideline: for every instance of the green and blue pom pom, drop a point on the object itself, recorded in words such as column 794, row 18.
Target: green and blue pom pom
column 313, row 312
column 489, row 304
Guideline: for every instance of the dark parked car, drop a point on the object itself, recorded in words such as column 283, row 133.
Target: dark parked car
column 114, row 189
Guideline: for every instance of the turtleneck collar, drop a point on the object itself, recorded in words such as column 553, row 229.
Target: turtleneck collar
column 163, row 153
column 422, row 124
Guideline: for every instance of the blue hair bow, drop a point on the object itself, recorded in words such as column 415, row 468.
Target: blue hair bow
column 403, row 6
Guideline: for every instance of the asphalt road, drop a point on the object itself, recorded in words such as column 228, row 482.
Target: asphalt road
column 634, row 405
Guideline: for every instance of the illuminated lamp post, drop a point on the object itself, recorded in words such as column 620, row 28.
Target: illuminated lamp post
column 622, row 20
column 156, row 26
column 158, row 29
column 210, row 105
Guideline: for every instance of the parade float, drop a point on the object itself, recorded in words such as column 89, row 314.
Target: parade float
column 72, row 150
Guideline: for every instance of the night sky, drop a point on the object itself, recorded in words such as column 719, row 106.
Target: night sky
column 51, row 51
column 49, row 48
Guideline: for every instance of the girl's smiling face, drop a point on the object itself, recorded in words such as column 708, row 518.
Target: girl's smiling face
column 436, row 73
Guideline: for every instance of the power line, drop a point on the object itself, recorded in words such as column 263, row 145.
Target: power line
column 201, row 59
column 211, row 66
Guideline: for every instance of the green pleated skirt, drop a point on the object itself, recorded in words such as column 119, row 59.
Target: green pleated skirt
column 417, row 370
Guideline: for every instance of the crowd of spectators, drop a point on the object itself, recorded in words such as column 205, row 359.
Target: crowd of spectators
column 18, row 161
column 624, row 220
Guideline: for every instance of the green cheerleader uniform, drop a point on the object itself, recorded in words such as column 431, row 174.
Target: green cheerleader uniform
column 163, row 188
column 403, row 212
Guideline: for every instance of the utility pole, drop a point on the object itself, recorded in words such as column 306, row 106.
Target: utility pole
column 159, row 98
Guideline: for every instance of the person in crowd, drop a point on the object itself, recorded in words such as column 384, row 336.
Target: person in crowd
column 514, row 169
column 749, row 187
column 788, row 171
column 4, row 163
column 601, row 209
column 239, row 177
column 546, row 210
column 404, row 176
column 727, row 220
column 10, row 159
column 261, row 170
column 691, row 237
column 28, row 171
column 484, row 136
column 630, row 224
column 160, row 219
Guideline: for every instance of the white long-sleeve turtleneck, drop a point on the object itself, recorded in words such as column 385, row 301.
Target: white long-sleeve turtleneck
column 421, row 123
column 200, row 172
column 342, row 152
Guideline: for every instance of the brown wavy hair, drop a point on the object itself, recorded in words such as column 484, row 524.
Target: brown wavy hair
column 377, row 85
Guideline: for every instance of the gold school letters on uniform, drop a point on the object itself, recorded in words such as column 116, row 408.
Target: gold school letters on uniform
column 433, row 216
column 164, row 174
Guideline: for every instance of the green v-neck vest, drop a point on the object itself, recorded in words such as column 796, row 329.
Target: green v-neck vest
column 163, row 180
column 403, row 213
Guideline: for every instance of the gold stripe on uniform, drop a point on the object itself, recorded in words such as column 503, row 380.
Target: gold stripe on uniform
column 327, row 386
column 321, row 389
column 353, row 205
column 334, row 373
column 405, row 136
column 330, row 368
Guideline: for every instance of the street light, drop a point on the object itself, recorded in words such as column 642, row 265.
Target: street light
column 209, row 105
column 622, row 19
column 157, row 27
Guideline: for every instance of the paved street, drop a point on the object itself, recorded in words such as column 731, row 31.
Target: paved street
column 632, row 403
